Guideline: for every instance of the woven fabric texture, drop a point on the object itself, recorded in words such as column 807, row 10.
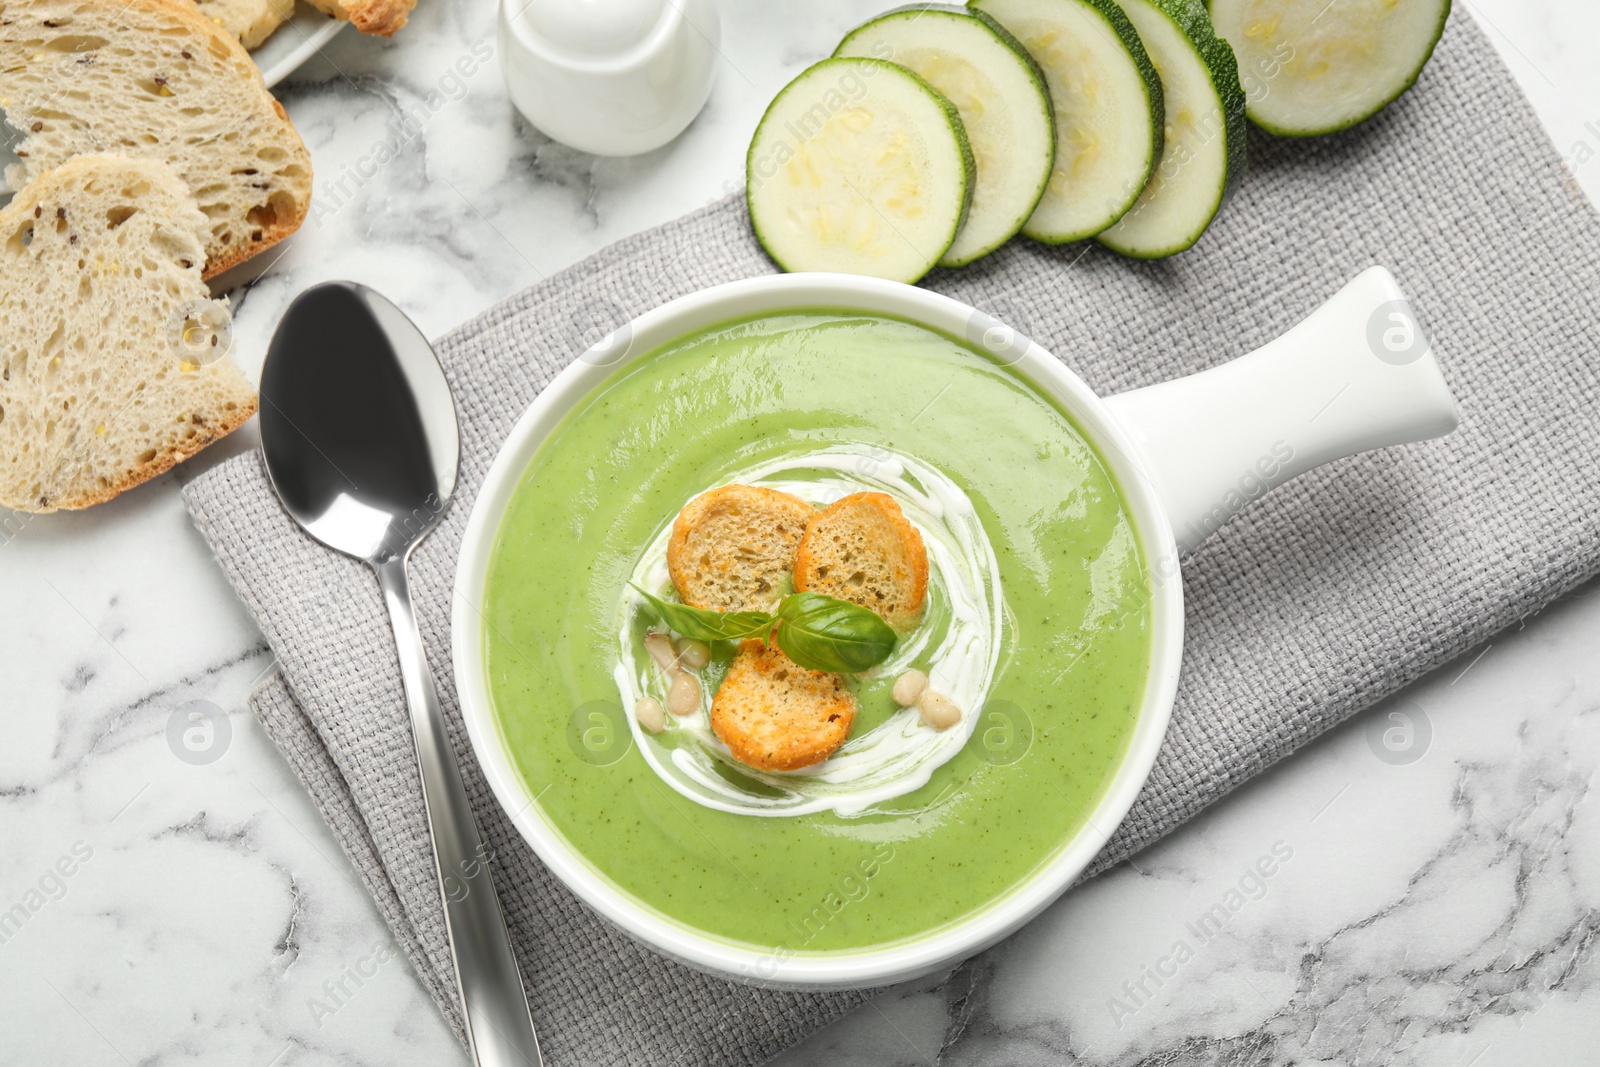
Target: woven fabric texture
column 1315, row 602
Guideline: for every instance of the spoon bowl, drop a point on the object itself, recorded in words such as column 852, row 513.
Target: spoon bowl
column 357, row 424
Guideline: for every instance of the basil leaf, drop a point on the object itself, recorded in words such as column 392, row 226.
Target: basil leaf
column 822, row 633
column 700, row 624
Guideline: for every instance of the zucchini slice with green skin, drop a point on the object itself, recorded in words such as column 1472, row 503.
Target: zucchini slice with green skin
column 1108, row 108
column 858, row 166
column 1004, row 105
column 1206, row 131
column 1312, row 68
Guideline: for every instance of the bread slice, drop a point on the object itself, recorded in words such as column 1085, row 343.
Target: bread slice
column 157, row 80
column 861, row 548
column 251, row 21
column 732, row 548
column 377, row 17
column 99, row 268
column 776, row 715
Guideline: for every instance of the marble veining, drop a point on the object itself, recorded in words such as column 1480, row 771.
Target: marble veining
column 169, row 894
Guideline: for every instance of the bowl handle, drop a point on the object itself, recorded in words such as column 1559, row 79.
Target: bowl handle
column 1357, row 374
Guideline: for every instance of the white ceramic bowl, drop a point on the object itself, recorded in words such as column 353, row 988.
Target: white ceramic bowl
column 1185, row 455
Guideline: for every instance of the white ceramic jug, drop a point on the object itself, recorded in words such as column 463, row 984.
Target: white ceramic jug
column 612, row 77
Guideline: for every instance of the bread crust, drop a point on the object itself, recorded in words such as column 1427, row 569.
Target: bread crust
column 775, row 715
column 903, row 552
column 709, row 572
column 161, row 464
column 380, row 18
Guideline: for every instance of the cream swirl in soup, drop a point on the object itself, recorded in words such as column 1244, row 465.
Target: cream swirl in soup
column 956, row 642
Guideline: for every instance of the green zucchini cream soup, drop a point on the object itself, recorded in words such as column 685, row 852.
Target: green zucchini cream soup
column 812, row 769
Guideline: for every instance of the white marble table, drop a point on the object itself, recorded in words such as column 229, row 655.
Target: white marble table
column 1440, row 911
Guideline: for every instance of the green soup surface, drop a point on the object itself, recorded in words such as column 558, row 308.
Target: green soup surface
column 676, row 422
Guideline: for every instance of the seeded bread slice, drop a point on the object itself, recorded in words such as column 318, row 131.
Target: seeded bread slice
column 732, row 548
column 377, row 17
column 775, row 715
column 157, row 80
column 251, row 21
column 861, row 548
column 99, row 266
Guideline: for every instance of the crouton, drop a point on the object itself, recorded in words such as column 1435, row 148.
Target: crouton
column 732, row 548
column 862, row 549
column 777, row 716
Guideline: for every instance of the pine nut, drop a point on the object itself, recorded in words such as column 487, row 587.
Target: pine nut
column 938, row 710
column 659, row 645
column 650, row 714
column 683, row 695
column 693, row 654
column 908, row 687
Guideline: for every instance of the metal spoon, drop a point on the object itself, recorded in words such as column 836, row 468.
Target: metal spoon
column 359, row 431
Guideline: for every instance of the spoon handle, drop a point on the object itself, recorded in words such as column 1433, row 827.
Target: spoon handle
column 499, row 1028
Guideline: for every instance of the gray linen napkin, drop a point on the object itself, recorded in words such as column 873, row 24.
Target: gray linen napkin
column 1311, row 605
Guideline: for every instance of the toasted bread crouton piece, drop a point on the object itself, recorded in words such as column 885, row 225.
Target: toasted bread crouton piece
column 733, row 547
column 777, row 716
column 861, row 548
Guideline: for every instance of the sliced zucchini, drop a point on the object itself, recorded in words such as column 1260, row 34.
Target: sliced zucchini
column 1108, row 110
column 1205, row 142
column 1004, row 105
column 859, row 166
column 1311, row 67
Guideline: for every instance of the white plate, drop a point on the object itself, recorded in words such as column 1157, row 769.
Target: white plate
column 295, row 42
